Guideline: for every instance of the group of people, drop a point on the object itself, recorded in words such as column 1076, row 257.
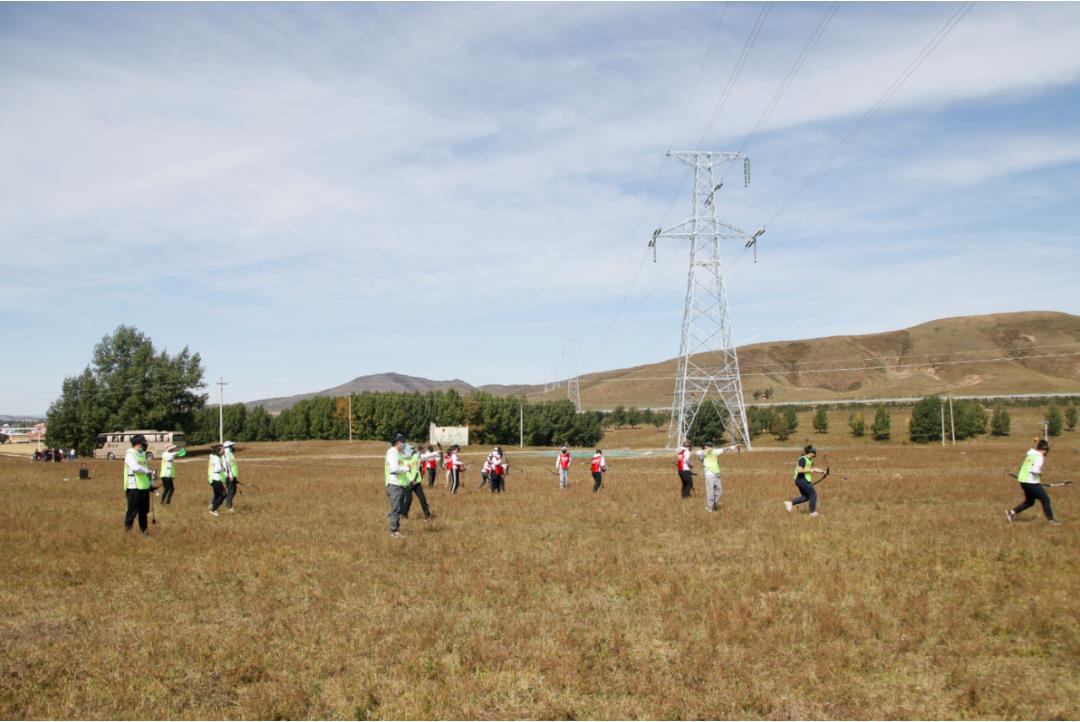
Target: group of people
column 597, row 467
column 223, row 473
column 55, row 455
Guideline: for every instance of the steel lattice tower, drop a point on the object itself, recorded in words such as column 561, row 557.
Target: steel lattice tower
column 708, row 367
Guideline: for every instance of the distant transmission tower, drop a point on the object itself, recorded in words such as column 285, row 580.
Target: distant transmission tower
column 573, row 385
column 707, row 358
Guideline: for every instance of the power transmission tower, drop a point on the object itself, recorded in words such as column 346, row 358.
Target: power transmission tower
column 573, row 385
column 708, row 364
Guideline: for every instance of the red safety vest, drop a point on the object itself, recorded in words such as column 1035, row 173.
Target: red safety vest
column 564, row 460
column 596, row 462
column 684, row 459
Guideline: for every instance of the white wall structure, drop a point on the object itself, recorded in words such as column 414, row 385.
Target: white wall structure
column 448, row 435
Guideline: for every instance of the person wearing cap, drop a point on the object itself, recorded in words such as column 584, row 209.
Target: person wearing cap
column 395, row 476
column 711, row 462
column 168, row 467
column 1030, row 478
column 562, row 466
column 497, row 473
column 232, row 473
column 599, row 466
column 138, row 480
column 215, row 474
column 804, row 480
column 416, row 481
column 685, row 467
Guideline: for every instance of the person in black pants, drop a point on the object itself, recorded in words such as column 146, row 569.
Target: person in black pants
column 685, row 466
column 416, row 482
column 804, row 480
column 137, row 483
column 1030, row 478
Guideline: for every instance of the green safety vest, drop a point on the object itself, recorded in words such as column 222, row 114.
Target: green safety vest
column 805, row 473
column 711, row 462
column 210, row 471
column 413, row 474
column 166, row 466
column 230, row 463
column 142, row 481
column 1025, row 469
column 402, row 479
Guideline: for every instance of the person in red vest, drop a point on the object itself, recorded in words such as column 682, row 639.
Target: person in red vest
column 599, row 466
column 455, row 468
column 562, row 466
column 497, row 473
column 430, row 461
column 686, row 472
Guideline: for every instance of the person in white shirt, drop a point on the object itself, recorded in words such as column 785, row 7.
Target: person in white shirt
column 138, row 483
column 396, row 478
column 497, row 471
column 562, row 467
column 709, row 460
column 456, row 467
column 1030, row 478
column 215, row 474
column 686, row 468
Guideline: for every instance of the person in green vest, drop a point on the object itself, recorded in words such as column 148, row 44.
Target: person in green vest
column 710, row 460
column 168, row 471
column 232, row 474
column 215, row 474
column 416, row 482
column 395, row 477
column 1030, row 478
column 804, row 480
column 138, row 484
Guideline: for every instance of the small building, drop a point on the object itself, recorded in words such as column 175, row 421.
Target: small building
column 448, row 435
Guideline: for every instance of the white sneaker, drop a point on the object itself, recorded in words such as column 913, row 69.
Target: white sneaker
column 788, row 506
column 1010, row 515
column 813, row 513
column 396, row 535
column 214, row 513
column 231, row 510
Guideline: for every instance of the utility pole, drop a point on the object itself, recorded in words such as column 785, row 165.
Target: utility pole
column 350, row 416
column 708, row 363
column 521, row 423
column 943, row 424
column 952, row 422
column 221, row 409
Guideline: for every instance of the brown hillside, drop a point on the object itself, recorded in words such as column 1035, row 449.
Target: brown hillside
column 1028, row 352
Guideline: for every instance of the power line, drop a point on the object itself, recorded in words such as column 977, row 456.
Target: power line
column 925, row 53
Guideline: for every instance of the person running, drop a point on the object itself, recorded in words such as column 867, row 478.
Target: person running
column 456, row 467
column 168, row 470
column 497, row 473
column 416, row 482
column 430, row 461
column 232, row 474
column 137, row 483
column 562, row 466
column 1030, row 478
column 599, row 466
column 711, row 462
column 215, row 474
column 686, row 470
column 395, row 475
column 804, row 479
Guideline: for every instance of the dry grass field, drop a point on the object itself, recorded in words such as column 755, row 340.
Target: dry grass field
column 909, row 597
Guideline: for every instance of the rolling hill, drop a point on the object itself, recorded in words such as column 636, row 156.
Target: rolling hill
column 1008, row 353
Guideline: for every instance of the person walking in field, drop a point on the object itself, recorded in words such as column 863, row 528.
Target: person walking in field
column 685, row 467
column 395, row 475
column 416, row 482
column 456, row 467
column 430, row 461
column 562, row 467
column 804, row 480
column 448, row 469
column 232, row 474
column 485, row 471
column 710, row 460
column 137, row 484
column 168, row 472
column 1030, row 478
column 598, row 466
column 215, row 475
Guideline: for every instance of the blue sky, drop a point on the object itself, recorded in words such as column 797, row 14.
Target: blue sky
column 308, row 193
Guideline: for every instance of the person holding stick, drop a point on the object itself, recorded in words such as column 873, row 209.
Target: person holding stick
column 215, row 475
column 168, row 470
column 395, row 476
column 456, row 467
column 562, row 466
column 138, row 480
column 804, row 480
column 711, row 462
column 686, row 471
column 232, row 474
column 599, row 466
column 1030, row 478
column 416, row 482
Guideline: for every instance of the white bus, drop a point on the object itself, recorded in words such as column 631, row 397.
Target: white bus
column 115, row 444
